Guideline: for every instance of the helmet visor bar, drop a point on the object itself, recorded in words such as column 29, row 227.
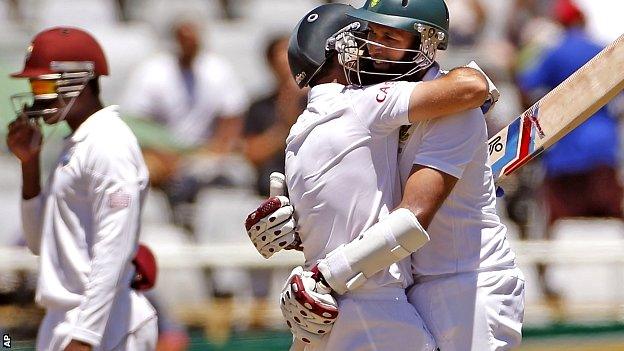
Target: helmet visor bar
column 72, row 66
column 23, row 103
column 353, row 50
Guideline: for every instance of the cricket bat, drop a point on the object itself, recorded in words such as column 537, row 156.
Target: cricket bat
column 560, row 111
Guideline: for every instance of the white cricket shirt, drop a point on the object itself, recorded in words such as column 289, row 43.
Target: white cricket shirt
column 341, row 167
column 466, row 232
column 85, row 226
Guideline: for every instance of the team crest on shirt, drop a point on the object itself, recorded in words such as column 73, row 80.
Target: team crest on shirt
column 404, row 133
column 374, row 3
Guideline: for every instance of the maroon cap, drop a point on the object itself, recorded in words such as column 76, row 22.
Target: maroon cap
column 62, row 44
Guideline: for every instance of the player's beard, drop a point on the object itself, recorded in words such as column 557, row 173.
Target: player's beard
column 398, row 71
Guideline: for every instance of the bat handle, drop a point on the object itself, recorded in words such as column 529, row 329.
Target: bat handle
column 277, row 184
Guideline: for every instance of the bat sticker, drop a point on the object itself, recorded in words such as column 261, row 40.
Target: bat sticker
column 520, row 144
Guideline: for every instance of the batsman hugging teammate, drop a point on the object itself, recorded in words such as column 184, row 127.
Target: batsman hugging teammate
column 467, row 288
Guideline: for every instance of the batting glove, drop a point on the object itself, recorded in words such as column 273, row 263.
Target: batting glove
column 307, row 305
column 146, row 269
column 271, row 227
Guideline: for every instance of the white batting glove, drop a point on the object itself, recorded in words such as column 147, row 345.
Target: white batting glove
column 307, row 305
column 272, row 226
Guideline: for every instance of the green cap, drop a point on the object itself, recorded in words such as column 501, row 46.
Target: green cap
column 407, row 15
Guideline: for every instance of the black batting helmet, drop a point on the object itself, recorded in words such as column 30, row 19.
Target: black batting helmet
column 309, row 49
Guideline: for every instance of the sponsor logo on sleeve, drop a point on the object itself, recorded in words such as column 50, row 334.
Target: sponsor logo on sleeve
column 119, row 199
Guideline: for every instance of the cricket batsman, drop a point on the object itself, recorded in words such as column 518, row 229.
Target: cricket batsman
column 342, row 178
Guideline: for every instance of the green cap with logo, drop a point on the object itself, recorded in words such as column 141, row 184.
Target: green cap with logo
column 407, row 15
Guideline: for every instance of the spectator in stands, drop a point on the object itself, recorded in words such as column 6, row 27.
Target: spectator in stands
column 196, row 96
column 581, row 170
column 468, row 21
column 269, row 118
column 524, row 15
column 265, row 130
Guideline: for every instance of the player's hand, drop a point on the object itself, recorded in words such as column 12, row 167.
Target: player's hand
column 76, row 345
column 271, row 227
column 24, row 139
column 307, row 305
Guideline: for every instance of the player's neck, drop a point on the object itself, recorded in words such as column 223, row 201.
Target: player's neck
column 186, row 61
column 80, row 112
column 333, row 77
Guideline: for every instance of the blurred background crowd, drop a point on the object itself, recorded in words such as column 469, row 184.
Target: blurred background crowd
column 205, row 85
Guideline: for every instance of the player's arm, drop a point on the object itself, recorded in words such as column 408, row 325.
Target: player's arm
column 425, row 191
column 24, row 141
column 446, row 149
column 461, row 89
column 114, row 190
column 392, row 239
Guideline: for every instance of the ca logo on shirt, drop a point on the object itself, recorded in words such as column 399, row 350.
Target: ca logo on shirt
column 383, row 93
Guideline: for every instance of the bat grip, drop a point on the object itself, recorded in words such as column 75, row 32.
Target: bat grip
column 277, row 184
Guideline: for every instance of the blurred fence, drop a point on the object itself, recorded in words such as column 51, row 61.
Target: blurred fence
column 590, row 272
column 245, row 256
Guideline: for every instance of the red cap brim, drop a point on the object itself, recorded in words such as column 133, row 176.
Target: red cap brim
column 31, row 73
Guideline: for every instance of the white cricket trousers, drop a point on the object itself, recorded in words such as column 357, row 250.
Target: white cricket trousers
column 144, row 338
column 472, row 311
column 53, row 336
column 376, row 320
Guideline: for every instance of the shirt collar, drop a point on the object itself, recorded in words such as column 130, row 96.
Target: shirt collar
column 322, row 89
column 92, row 122
column 432, row 73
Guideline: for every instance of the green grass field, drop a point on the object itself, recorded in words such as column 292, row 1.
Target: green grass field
column 568, row 337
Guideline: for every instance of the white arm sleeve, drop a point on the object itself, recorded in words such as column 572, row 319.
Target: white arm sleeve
column 388, row 241
column 32, row 216
column 116, row 201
